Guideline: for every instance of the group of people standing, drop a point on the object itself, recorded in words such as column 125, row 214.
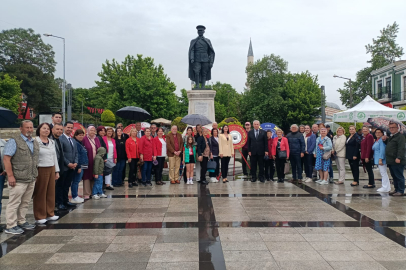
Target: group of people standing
column 312, row 150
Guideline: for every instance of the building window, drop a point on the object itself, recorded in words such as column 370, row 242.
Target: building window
column 404, row 84
column 379, row 93
column 31, row 113
column 388, row 84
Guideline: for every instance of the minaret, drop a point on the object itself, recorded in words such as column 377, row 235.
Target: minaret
column 250, row 57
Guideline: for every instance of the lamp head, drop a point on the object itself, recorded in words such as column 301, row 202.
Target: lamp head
column 47, row 35
column 335, row 76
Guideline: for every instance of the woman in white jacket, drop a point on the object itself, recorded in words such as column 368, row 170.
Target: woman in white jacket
column 339, row 152
column 48, row 173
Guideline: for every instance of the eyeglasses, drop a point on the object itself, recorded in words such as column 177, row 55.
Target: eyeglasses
column 392, row 127
column 247, row 125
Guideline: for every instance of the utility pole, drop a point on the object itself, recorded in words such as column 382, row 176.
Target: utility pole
column 323, row 105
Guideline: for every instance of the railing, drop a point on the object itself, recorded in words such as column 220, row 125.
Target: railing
column 398, row 96
column 383, row 95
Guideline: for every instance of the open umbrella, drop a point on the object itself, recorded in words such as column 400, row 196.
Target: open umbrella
column 194, row 119
column 162, row 121
column 383, row 123
column 7, row 118
column 133, row 113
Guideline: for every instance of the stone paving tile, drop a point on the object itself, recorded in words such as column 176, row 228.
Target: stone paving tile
column 303, row 265
column 172, row 265
column 345, row 256
column 376, row 246
column 37, row 248
column 357, row 265
column 392, row 265
column 388, row 255
column 74, row 257
column 122, row 257
column 303, row 255
column 120, row 266
column 243, row 256
column 334, row 246
column 230, row 245
column 75, row 247
column 130, row 247
column 249, row 265
column 287, row 246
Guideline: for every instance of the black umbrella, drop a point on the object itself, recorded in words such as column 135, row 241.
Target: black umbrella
column 7, row 118
column 133, row 113
column 194, row 119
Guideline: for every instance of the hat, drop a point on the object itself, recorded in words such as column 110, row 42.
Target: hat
column 327, row 126
column 200, row 27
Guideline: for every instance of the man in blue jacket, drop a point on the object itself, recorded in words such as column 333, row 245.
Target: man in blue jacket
column 297, row 151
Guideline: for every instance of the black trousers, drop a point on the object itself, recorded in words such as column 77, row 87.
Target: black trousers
column 354, row 165
column 295, row 161
column 280, row 167
column 224, row 166
column 216, row 172
column 62, row 187
column 184, row 170
column 269, row 168
column 368, row 167
column 132, row 175
column 244, row 165
column 203, row 168
column 257, row 160
column 159, row 168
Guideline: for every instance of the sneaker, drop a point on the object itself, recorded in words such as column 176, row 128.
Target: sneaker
column 191, row 182
column 109, row 188
column 331, row 180
column 318, row 181
column 324, row 182
column 26, row 226
column 53, row 218
column 308, row 180
column 77, row 200
column 14, row 230
column 103, row 195
column 188, row 182
column 95, row 197
column 150, row 184
column 41, row 221
column 213, row 179
column 382, row 190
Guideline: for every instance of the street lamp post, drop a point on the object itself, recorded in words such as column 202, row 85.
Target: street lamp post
column 349, row 81
column 82, row 109
column 64, row 82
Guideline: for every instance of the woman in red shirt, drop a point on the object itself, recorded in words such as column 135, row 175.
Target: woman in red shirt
column 269, row 163
column 146, row 149
column 367, row 155
column 280, row 153
column 159, row 155
column 131, row 148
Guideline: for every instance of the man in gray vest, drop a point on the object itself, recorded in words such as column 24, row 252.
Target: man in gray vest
column 21, row 165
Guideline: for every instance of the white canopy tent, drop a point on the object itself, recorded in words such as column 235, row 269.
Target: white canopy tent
column 369, row 108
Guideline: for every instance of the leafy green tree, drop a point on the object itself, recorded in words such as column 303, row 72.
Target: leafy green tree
column 262, row 100
column 302, row 98
column 226, row 102
column 137, row 81
column 10, row 93
column 108, row 118
column 40, row 88
column 183, row 103
column 24, row 46
column 384, row 50
column 229, row 121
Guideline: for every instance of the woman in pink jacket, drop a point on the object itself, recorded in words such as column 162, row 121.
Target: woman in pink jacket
column 280, row 153
column 111, row 154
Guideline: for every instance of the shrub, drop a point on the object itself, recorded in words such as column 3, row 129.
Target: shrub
column 176, row 122
column 108, row 118
column 229, row 121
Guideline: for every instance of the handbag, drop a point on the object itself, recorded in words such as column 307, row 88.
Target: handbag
column 282, row 154
column 287, row 168
column 327, row 155
column 108, row 167
column 211, row 166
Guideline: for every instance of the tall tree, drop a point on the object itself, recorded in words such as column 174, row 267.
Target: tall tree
column 384, row 50
column 226, row 102
column 24, row 46
column 40, row 88
column 10, row 93
column 263, row 101
column 183, row 106
column 137, row 81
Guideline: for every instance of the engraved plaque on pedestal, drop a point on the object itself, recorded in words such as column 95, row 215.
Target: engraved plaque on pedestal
column 202, row 108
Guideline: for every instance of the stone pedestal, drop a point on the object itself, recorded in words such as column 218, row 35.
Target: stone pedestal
column 202, row 102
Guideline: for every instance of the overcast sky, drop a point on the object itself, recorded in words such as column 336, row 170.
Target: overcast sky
column 324, row 37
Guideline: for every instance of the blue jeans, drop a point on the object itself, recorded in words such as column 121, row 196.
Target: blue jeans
column 296, row 162
column 98, row 185
column 118, row 172
column 398, row 179
column 75, row 184
column 2, row 179
column 146, row 171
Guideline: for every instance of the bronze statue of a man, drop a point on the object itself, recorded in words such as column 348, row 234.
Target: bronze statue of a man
column 201, row 59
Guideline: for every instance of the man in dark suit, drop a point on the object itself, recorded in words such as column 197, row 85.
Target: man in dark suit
column 56, row 119
column 57, row 132
column 140, row 132
column 68, row 170
column 257, row 149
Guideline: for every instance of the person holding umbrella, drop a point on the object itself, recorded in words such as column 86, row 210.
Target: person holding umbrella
column 132, row 150
column 379, row 148
column 203, row 153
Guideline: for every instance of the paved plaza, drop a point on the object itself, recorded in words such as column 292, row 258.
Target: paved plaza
column 238, row 225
